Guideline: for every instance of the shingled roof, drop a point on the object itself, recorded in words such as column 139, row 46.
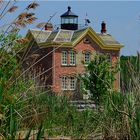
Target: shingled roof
column 40, row 35
column 108, row 39
column 68, row 36
column 56, row 36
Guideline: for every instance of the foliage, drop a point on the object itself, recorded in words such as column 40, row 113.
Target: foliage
column 64, row 120
column 121, row 116
column 130, row 72
column 23, row 106
column 99, row 77
column 12, row 90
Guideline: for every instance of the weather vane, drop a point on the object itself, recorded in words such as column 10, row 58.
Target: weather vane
column 87, row 21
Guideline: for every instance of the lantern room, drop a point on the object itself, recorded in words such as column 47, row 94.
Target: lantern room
column 69, row 20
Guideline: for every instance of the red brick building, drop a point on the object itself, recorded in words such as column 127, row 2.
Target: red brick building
column 58, row 56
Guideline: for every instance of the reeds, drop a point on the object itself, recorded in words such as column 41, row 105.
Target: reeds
column 25, row 105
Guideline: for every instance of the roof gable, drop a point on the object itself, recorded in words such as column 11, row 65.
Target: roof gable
column 71, row 38
column 105, row 41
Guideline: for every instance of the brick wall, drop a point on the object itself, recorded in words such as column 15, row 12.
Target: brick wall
column 46, row 65
column 41, row 61
column 51, row 66
column 59, row 71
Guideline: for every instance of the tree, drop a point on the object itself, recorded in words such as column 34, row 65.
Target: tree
column 99, row 77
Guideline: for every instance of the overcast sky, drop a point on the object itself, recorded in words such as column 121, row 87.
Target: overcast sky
column 121, row 17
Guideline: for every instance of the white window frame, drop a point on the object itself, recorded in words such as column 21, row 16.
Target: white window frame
column 64, row 58
column 64, row 83
column 85, row 57
column 72, row 83
column 68, row 83
column 72, row 58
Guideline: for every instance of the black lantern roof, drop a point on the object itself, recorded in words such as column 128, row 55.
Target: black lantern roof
column 69, row 13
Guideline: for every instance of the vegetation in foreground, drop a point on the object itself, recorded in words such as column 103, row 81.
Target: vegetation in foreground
column 24, row 107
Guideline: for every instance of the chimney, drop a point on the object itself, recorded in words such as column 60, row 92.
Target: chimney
column 49, row 27
column 103, row 27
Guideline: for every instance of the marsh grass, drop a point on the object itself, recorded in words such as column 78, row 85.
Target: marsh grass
column 23, row 106
column 29, row 108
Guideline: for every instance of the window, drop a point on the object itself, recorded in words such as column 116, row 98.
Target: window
column 64, row 83
column 72, row 58
column 72, row 81
column 86, row 41
column 87, row 57
column 64, row 58
column 68, row 83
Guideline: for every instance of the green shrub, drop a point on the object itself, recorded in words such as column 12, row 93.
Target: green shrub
column 99, row 77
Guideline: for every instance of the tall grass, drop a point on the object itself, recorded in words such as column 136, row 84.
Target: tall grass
column 24, row 107
column 121, row 111
column 130, row 72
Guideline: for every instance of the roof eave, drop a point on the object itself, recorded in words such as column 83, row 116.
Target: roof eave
column 68, row 44
column 114, row 46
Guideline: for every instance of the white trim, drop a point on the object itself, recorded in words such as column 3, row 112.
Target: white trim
column 66, row 57
column 68, row 83
column 73, row 60
column 88, row 58
column 63, row 83
column 71, row 80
